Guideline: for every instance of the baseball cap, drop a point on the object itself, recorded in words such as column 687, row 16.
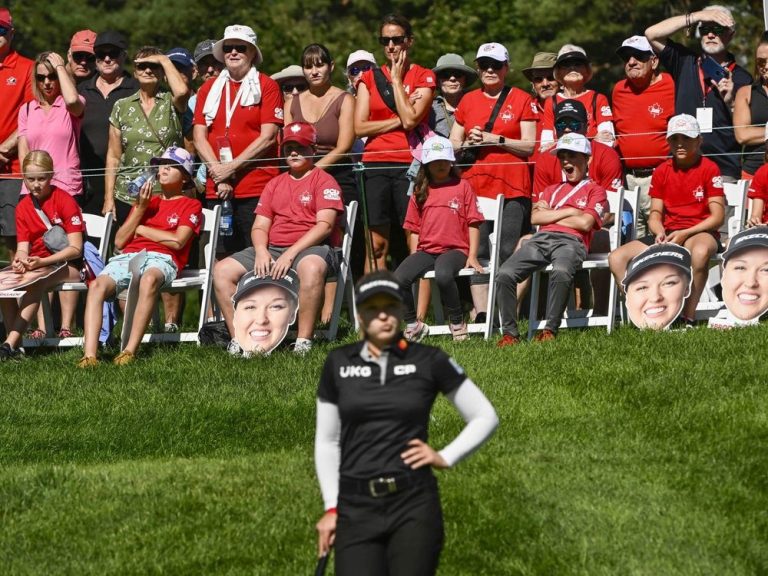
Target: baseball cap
column 300, row 132
column 5, row 18
column 292, row 71
column 83, row 41
column 250, row 281
column 381, row 282
column 666, row 253
column 634, row 45
column 574, row 142
column 360, row 56
column 437, row 148
column 237, row 32
column 571, row 109
column 541, row 61
column 684, row 124
column 181, row 56
column 750, row 238
column 571, row 52
column 176, row 156
column 110, row 38
column 493, row 50
column 203, row 49
column 455, row 62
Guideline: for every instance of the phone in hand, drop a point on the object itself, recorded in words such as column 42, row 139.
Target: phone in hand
column 713, row 70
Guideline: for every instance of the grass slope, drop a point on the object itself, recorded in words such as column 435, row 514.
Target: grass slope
column 636, row 453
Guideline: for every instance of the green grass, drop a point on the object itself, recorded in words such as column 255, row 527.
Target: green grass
column 637, row 453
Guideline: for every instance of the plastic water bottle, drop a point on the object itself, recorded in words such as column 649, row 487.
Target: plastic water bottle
column 225, row 224
column 134, row 187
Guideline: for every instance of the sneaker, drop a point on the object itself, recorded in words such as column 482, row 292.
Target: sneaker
column 8, row 353
column 302, row 346
column 544, row 336
column 459, row 332
column 481, row 318
column 416, row 333
column 171, row 328
column 124, row 358
column 234, row 348
column 508, row 340
column 88, row 362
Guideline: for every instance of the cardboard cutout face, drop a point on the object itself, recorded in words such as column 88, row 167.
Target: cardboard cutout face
column 656, row 296
column 262, row 318
column 745, row 283
column 10, row 280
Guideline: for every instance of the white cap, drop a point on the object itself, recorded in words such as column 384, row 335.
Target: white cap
column 437, row 148
column 574, row 142
column 292, row 71
column 237, row 32
column 638, row 43
column 360, row 56
column 684, row 124
column 493, row 50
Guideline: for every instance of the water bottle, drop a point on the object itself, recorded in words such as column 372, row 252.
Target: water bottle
column 134, row 187
column 225, row 224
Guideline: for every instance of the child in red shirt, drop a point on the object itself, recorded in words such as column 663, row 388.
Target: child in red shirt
column 687, row 208
column 161, row 225
column 443, row 219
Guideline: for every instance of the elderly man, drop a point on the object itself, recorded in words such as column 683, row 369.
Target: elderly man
column 705, row 84
column 207, row 65
column 643, row 103
column 16, row 82
column 541, row 75
column 237, row 118
column 110, row 83
column 81, row 62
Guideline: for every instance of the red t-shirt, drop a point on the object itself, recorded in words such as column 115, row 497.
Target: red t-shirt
column 292, row 205
column 243, row 130
column 686, row 193
column 589, row 198
column 61, row 210
column 604, row 168
column 16, row 82
column 591, row 100
column 392, row 146
column 169, row 215
column 641, row 121
column 758, row 188
column 443, row 221
column 498, row 171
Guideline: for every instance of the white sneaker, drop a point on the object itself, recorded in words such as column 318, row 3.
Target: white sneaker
column 302, row 346
column 417, row 333
column 234, row 348
column 171, row 328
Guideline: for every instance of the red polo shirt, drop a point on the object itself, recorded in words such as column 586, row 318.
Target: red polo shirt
column 16, row 89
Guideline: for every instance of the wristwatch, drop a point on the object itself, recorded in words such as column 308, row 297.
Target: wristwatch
column 502, row 140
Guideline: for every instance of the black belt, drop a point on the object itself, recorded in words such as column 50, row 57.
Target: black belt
column 640, row 172
column 384, row 485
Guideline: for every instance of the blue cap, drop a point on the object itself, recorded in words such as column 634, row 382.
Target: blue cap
column 181, row 56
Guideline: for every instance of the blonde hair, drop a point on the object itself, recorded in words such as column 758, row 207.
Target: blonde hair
column 42, row 58
column 39, row 158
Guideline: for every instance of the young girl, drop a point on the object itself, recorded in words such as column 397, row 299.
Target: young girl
column 687, row 208
column 32, row 254
column 164, row 226
column 443, row 219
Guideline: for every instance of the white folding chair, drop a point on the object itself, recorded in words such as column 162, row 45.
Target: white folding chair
column 99, row 227
column 593, row 261
column 492, row 209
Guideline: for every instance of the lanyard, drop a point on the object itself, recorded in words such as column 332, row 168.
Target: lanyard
column 567, row 197
column 230, row 109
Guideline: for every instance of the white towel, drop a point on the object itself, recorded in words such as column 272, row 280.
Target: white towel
column 250, row 96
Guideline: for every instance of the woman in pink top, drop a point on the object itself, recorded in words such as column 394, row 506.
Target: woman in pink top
column 51, row 122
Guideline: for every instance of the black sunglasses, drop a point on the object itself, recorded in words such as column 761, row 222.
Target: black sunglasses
column 152, row 66
column 639, row 56
column 239, row 48
column 44, row 77
column 485, row 63
column 448, row 74
column 540, row 79
column 715, row 29
column 396, row 40
column 81, row 56
column 4, row 30
column 113, row 54
column 289, row 88
column 355, row 70
column 572, row 125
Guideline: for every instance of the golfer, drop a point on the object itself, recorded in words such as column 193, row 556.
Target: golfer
column 374, row 465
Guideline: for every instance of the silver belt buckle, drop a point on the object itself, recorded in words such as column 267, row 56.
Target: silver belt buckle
column 388, row 485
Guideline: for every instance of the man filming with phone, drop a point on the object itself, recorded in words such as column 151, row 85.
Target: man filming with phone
column 705, row 84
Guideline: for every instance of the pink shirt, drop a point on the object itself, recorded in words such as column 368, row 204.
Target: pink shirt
column 58, row 133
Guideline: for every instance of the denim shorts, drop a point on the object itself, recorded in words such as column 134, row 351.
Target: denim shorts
column 117, row 268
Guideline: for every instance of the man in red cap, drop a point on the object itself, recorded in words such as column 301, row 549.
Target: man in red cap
column 15, row 89
column 294, row 228
column 81, row 61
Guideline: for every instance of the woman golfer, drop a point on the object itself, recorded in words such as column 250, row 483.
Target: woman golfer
column 374, row 465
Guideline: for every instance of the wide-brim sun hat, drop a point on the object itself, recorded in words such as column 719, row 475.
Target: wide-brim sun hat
column 455, row 62
column 541, row 61
column 238, row 32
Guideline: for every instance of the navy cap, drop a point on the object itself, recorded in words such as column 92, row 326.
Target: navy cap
column 181, row 56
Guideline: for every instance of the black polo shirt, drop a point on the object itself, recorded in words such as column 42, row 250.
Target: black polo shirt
column 683, row 64
column 94, row 130
column 378, row 419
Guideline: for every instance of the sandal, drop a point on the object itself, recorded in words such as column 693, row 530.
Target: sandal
column 65, row 333
column 125, row 357
column 37, row 334
column 88, row 362
column 459, row 332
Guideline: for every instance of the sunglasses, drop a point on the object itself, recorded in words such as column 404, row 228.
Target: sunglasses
column 355, row 70
column 396, row 40
column 540, row 79
column 289, row 88
column 448, row 74
column 151, row 66
column 639, row 56
column 113, row 54
column 82, row 56
column 43, row 77
column 239, row 48
column 485, row 63
column 4, row 30
column 761, row 62
column 715, row 29
column 572, row 125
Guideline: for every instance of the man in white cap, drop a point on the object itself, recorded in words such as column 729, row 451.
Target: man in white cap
column 705, row 84
column 643, row 103
column 567, row 215
column 358, row 62
column 236, row 122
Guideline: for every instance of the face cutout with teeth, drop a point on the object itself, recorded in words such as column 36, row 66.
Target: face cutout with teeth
column 262, row 318
column 656, row 297
column 745, row 283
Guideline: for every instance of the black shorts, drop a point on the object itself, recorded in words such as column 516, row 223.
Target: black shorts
column 386, row 192
column 650, row 239
column 242, row 222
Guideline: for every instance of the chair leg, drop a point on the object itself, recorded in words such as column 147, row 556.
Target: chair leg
column 534, row 297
